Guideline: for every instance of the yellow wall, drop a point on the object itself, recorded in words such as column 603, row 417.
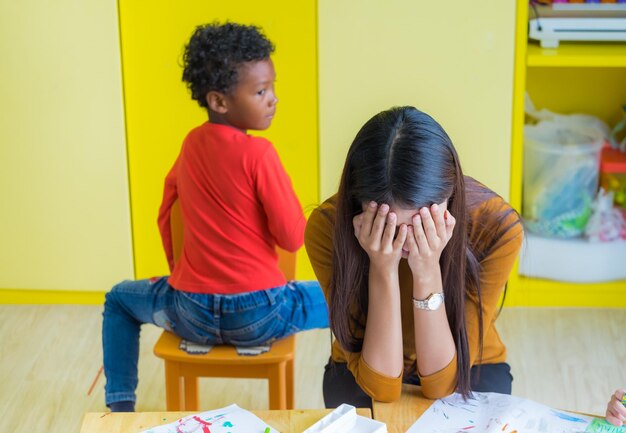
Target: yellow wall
column 65, row 222
column 159, row 109
column 454, row 61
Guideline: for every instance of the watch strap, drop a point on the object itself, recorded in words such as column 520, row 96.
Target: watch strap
column 424, row 304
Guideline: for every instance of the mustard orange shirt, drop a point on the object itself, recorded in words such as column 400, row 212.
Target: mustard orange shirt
column 495, row 269
column 237, row 204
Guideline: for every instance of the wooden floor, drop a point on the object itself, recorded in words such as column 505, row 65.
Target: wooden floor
column 49, row 356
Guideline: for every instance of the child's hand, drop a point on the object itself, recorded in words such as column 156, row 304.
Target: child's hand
column 615, row 410
column 375, row 229
column 432, row 229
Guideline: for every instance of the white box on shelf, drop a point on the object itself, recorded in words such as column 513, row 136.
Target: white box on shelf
column 550, row 31
column 572, row 260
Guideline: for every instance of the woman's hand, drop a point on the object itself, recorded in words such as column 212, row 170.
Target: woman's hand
column 429, row 235
column 615, row 410
column 375, row 229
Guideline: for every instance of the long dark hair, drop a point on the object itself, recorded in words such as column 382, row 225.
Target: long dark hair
column 402, row 156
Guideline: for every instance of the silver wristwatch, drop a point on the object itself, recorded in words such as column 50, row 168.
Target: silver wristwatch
column 431, row 303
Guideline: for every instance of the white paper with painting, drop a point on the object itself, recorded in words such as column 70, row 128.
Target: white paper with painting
column 499, row 413
column 231, row 419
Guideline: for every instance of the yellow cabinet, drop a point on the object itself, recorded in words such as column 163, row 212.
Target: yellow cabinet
column 65, row 221
column 575, row 77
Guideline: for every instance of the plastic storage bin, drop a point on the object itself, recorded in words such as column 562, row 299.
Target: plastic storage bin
column 560, row 179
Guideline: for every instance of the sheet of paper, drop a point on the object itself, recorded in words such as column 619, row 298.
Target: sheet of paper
column 499, row 413
column 231, row 419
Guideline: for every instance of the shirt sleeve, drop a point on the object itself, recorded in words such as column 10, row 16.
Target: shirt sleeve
column 440, row 383
column 281, row 205
column 495, row 269
column 377, row 385
column 318, row 243
column 170, row 195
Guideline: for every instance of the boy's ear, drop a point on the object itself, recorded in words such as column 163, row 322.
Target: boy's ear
column 216, row 102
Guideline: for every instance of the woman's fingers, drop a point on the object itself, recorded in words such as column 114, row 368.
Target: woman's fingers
column 411, row 243
column 450, row 223
column 402, row 237
column 440, row 223
column 364, row 221
column 429, row 227
column 357, row 222
column 368, row 218
column 389, row 231
column 375, row 230
column 378, row 226
column 375, row 227
column 420, row 235
column 430, row 230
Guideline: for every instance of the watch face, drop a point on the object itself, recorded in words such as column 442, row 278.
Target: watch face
column 434, row 301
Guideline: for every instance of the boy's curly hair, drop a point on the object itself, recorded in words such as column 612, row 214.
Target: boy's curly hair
column 214, row 53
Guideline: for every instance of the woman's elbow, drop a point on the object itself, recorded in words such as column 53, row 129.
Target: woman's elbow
column 435, row 393
column 387, row 395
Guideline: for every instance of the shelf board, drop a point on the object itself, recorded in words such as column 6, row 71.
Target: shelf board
column 585, row 55
column 525, row 291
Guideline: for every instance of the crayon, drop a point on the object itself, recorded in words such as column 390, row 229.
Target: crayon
column 624, row 399
column 267, row 430
column 95, row 380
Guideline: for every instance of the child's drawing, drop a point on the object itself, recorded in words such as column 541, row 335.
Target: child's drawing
column 231, row 419
column 499, row 413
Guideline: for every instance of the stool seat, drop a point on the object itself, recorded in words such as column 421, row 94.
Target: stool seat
column 182, row 370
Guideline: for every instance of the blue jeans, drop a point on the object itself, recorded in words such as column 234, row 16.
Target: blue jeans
column 246, row 319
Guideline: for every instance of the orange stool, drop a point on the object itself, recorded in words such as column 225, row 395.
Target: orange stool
column 182, row 371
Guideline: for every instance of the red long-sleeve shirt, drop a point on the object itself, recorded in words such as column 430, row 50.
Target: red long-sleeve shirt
column 237, row 204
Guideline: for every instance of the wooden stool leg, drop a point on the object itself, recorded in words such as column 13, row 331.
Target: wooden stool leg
column 191, row 393
column 290, row 379
column 173, row 391
column 277, row 386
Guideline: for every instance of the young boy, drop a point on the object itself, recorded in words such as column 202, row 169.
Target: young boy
column 237, row 205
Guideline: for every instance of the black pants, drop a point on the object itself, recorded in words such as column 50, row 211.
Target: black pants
column 340, row 386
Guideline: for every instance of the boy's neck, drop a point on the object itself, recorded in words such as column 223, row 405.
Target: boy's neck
column 220, row 120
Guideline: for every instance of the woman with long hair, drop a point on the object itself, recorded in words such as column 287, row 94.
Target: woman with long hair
column 413, row 258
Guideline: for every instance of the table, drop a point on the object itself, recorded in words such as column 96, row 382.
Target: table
column 285, row 421
column 400, row 415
